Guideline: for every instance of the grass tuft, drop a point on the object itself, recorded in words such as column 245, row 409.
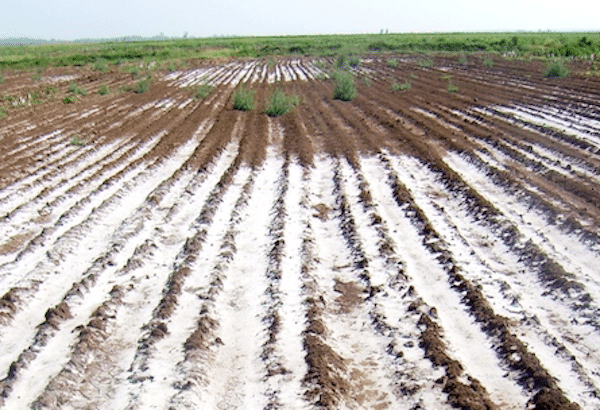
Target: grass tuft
column 393, row 63
column 280, row 103
column 76, row 90
column 203, row 91
column 425, row 63
column 69, row 99
column 452, row 88
column 103, row 90
column 243, row 99
column 343, row 88
column 142, row 86
column 2, row 113
column 556, row 69
column 401, row 87
column 79, row 142
column 100, row 65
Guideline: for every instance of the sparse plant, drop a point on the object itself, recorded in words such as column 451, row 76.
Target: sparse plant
column 2, row 113
column 320, row 64
column 354, row 61
column 462, row 60
column 104, row 89
column 280, row 103
column 243, row 99
column 425, row 63
column 142, row 86
column 556, row 69
column 100, row 65
column 79, row 142
column 343, row 88
column 203, row 91
column 76, row 90
column 321, row 76
column 401, row 87
column 2, row 79
column 69, row 99
column 51, row 90
column 171, row 67
column 393, row 63
column 366, row 81
column 134, row 71
column 488, row 62
column 452, row 88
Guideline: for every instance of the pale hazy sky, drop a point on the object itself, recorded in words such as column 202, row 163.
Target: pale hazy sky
column 73, row 19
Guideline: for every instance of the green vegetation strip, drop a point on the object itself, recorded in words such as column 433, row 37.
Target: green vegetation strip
column 102, row 54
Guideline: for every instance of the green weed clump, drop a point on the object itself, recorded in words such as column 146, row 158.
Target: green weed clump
column 280, row 103
column 76, row 90
column 488, row 62
column 104, row 89
column 401, row 87
column 100, row 65
column 142, row 86
column 556, row 70
column 1, row 79
column 462, row 60
column 343, row 88
column 78, row 142
column 243, row 99
column 203, row 91
column 452, row 88
column 69, row 99
column 2, row 113
column 393, row 63
column 425, row 63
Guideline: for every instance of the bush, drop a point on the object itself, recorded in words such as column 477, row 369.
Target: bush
column 142, row 86
column 344, row 88
column 452, row 88
column 100, row 65
column 76, row 90
column 243, row 99
column 203, row 91
column 280, row 103
column 556, row 70
column 69, row 99
column 401, row 87
column 103, row 90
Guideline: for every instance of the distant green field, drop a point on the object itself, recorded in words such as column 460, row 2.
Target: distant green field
column 539, row 44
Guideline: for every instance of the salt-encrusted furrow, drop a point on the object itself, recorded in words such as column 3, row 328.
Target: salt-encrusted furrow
column 38, row 353
column 129, row 167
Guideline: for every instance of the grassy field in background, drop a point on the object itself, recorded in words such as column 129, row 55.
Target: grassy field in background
column 540, row 44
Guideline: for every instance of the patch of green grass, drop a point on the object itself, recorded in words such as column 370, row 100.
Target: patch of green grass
column 79, row 142
column 354, row 61
column 280, row 103
column 401, row 87
column 393, row 63
column 1, row 79
column 243, row 99
column 343, row 87
column 69, row 99
column 2, row 113
column 76, row 90
column 452, row 88
column 425, row 63
column 104, row 89
column 462, row 60
column 100, row 65
column 203, row 91
column 556, row 69
column 142, row 86
column 135, row 71
column 488, row 62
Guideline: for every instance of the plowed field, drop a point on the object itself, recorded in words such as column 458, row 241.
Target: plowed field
column 417, row 249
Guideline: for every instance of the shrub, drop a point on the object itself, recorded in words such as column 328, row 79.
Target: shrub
column 142, row 86
column 392, row 62
column 76, row 90
column 77, row 141
column 280, row 103
column 452, row 88
column 203, row 91
column 425, row 63
column 70, row 99
column 100, row 65
column 243, row 99
column 401, row 87
column 344, row 88
column 103, row 90
column 556, row 70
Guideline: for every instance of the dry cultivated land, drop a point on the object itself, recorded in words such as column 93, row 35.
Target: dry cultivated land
column 433, row 243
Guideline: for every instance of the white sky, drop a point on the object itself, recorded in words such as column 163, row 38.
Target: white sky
column 74, row 19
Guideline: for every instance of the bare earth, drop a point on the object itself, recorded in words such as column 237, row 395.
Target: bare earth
column 415, row 249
